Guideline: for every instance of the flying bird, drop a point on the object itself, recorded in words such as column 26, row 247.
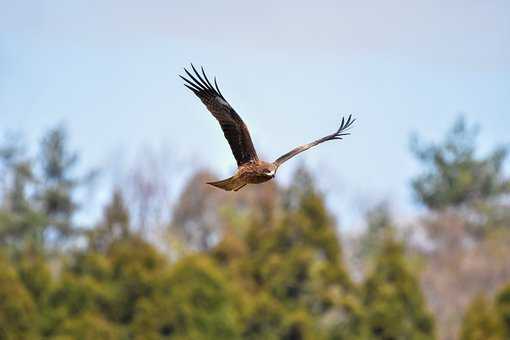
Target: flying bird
column 251, row 170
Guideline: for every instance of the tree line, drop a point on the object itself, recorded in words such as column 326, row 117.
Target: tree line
column 267, row 263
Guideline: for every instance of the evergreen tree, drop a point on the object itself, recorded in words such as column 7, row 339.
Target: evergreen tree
column 105, row 287
column 84, row 292
column 263, row 318
column 59, row 183
column 298, row 261
column 503, row 309
column 192, row 301
column 136, row 267
column 17, row 310
column 88, row 326
column 393, row 300
column 456, row 176
column 481, row 322
column 34, row 272
column 20, row 222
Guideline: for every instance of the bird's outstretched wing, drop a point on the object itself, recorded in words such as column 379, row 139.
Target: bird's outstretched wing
column 338, row 134
column 233, row 127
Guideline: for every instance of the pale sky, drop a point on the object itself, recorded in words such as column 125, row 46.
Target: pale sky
column 291, row 69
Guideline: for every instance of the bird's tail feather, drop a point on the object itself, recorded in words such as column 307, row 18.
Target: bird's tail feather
column 233, row 183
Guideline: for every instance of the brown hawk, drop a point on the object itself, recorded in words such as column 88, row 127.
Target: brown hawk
column 250, row 168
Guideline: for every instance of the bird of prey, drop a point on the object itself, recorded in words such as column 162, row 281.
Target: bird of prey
column 250, row 168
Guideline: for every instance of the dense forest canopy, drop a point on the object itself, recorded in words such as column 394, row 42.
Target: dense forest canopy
column 265, row 263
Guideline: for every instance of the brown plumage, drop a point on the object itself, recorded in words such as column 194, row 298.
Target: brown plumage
column 250, row 168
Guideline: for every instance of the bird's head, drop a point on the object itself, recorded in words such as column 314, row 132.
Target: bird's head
column 268, row 169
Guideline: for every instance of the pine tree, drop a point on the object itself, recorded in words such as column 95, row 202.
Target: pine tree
column 17, row 310
column 298, row 261
column 20, row 221
column 191, row 301
column 393, row 300
column 59, row 183
column 503, row 309
column 135, row 268
column 456, row 176
column 105, row 287
column 481, row 321
column 88, row 326
column 34, row 273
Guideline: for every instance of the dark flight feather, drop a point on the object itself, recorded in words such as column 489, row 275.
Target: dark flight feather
column 338, row 134
column 233, row 127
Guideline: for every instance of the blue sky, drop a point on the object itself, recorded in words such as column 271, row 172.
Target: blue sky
column 108, row 71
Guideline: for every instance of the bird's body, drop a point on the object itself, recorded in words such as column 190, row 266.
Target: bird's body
column 250, row 169
column 253, row 172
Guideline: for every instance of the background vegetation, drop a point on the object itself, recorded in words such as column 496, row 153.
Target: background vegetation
column 265, row 263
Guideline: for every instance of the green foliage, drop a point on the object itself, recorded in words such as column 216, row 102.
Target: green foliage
column 59, row 182
column 35, row 275
column 192, row 301
column 394, row 304
column 108, row 286
column 297, row 261
column 39, row 201
column 264, row 318
column 265, row 263
column 20, row 220
column 21, row 228
column 17, row 310
column 503, row 309
column 487, row 320
column 456, row 176
column 136, row 266
column 77, row 295
column 481, row 322
column 88, row 326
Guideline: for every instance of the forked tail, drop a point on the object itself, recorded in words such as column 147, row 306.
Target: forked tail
column 229, row 184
